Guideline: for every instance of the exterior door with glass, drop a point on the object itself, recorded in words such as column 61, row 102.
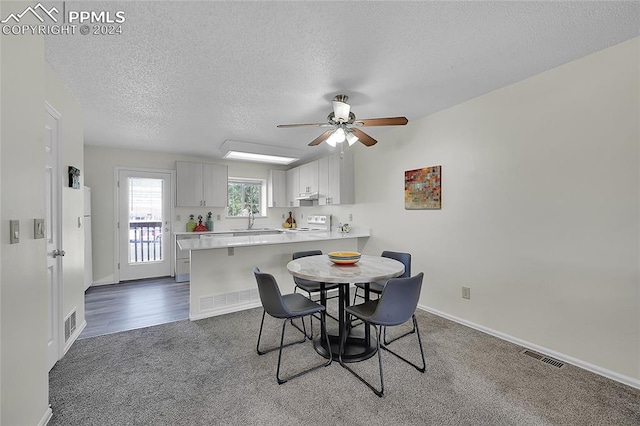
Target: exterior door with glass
column 144, row 200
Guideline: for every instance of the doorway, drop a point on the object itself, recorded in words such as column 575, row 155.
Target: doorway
column 144, row 211
column 52, row 232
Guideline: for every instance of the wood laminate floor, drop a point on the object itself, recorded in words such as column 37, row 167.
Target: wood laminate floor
column 134, row 304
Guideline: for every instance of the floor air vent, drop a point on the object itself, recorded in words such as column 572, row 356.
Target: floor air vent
column 553, row 362
column 532, row 354
column 547, row 360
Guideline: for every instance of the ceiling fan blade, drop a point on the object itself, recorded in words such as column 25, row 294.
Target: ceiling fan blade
column 364, row 138
column 387, row 121
column 321, row 138
column 286, row 126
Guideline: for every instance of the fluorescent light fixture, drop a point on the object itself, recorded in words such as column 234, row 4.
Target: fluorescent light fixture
column 247, row 151
column 260, row 158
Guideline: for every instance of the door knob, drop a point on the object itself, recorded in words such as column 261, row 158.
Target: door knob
column 57, row 253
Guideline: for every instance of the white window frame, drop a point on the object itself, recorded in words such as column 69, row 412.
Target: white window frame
column 263, row 195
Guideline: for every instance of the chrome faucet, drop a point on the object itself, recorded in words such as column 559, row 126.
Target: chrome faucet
column 251, row 218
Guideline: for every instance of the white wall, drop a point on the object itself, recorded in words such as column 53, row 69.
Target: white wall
column 27, row 82
column 100, row 164
column 71, row 154
column 540, row 189
column 24, row 376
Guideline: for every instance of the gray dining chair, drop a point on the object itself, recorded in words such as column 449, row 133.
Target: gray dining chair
column 378, row 286
column 396, row 305
column 286, row 307
column 312, row 287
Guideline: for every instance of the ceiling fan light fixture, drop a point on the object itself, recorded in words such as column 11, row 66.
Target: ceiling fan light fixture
column 341, row 111
column 333, row 139
column 351, row 138
column 338, row 136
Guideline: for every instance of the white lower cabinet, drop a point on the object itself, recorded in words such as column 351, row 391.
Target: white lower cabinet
column 182, row 259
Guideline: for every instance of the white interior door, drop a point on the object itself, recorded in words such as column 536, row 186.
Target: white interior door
column 144, row 243
column 52, row 234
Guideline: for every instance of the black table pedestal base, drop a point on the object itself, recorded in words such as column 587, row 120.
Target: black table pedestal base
column 356, row 347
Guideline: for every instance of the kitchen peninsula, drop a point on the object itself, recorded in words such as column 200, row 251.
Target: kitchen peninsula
column 222, row 278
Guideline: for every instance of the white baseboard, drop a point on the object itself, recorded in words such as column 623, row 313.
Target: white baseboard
column 98, row 284
column 225, row 310
column 48, row 414
column 629, row 381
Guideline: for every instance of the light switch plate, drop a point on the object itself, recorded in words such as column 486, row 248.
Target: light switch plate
column 14, row 231
column 38, row 228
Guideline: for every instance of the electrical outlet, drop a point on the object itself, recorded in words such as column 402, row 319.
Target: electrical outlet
column 178, row 218
column 350, row 217
column 230, row 251
column 466, row 292
column 283, row 215
column 217, row 217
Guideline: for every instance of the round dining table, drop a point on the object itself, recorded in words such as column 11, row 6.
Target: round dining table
column 358, row 345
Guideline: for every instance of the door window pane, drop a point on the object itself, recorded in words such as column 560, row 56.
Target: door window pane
column 145, row 220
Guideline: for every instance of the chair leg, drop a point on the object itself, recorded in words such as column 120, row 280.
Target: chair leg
column 380, row 392
column 262, row 352
column 325, row 364
column 424, row 365
column 386, row 342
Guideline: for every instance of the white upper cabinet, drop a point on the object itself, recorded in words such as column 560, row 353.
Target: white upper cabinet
column 308, row 177
column 277, row 189
column 293, row 186
column 214, row 185
column 336, row 179
column 201, row 184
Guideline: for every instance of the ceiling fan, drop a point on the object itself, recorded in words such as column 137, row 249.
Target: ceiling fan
column 344, row 126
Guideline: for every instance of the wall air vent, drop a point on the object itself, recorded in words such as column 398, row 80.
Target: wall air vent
column 206, row 303
column 547, row 360
column 69, row 325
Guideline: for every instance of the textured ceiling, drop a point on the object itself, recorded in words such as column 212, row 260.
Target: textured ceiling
column 186, row 76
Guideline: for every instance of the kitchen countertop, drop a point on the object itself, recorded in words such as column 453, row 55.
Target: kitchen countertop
column 193, row 233
column 229, row 231
column 223, row 241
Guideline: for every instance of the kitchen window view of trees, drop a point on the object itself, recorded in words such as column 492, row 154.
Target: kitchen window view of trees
column 244, row 196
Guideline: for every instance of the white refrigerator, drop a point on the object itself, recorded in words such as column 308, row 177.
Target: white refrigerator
column 88, row 265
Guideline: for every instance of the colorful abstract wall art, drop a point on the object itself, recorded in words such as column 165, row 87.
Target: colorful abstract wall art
column 422, row 188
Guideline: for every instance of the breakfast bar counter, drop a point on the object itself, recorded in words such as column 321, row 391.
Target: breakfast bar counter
column 213, row 241
column 222, row 278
